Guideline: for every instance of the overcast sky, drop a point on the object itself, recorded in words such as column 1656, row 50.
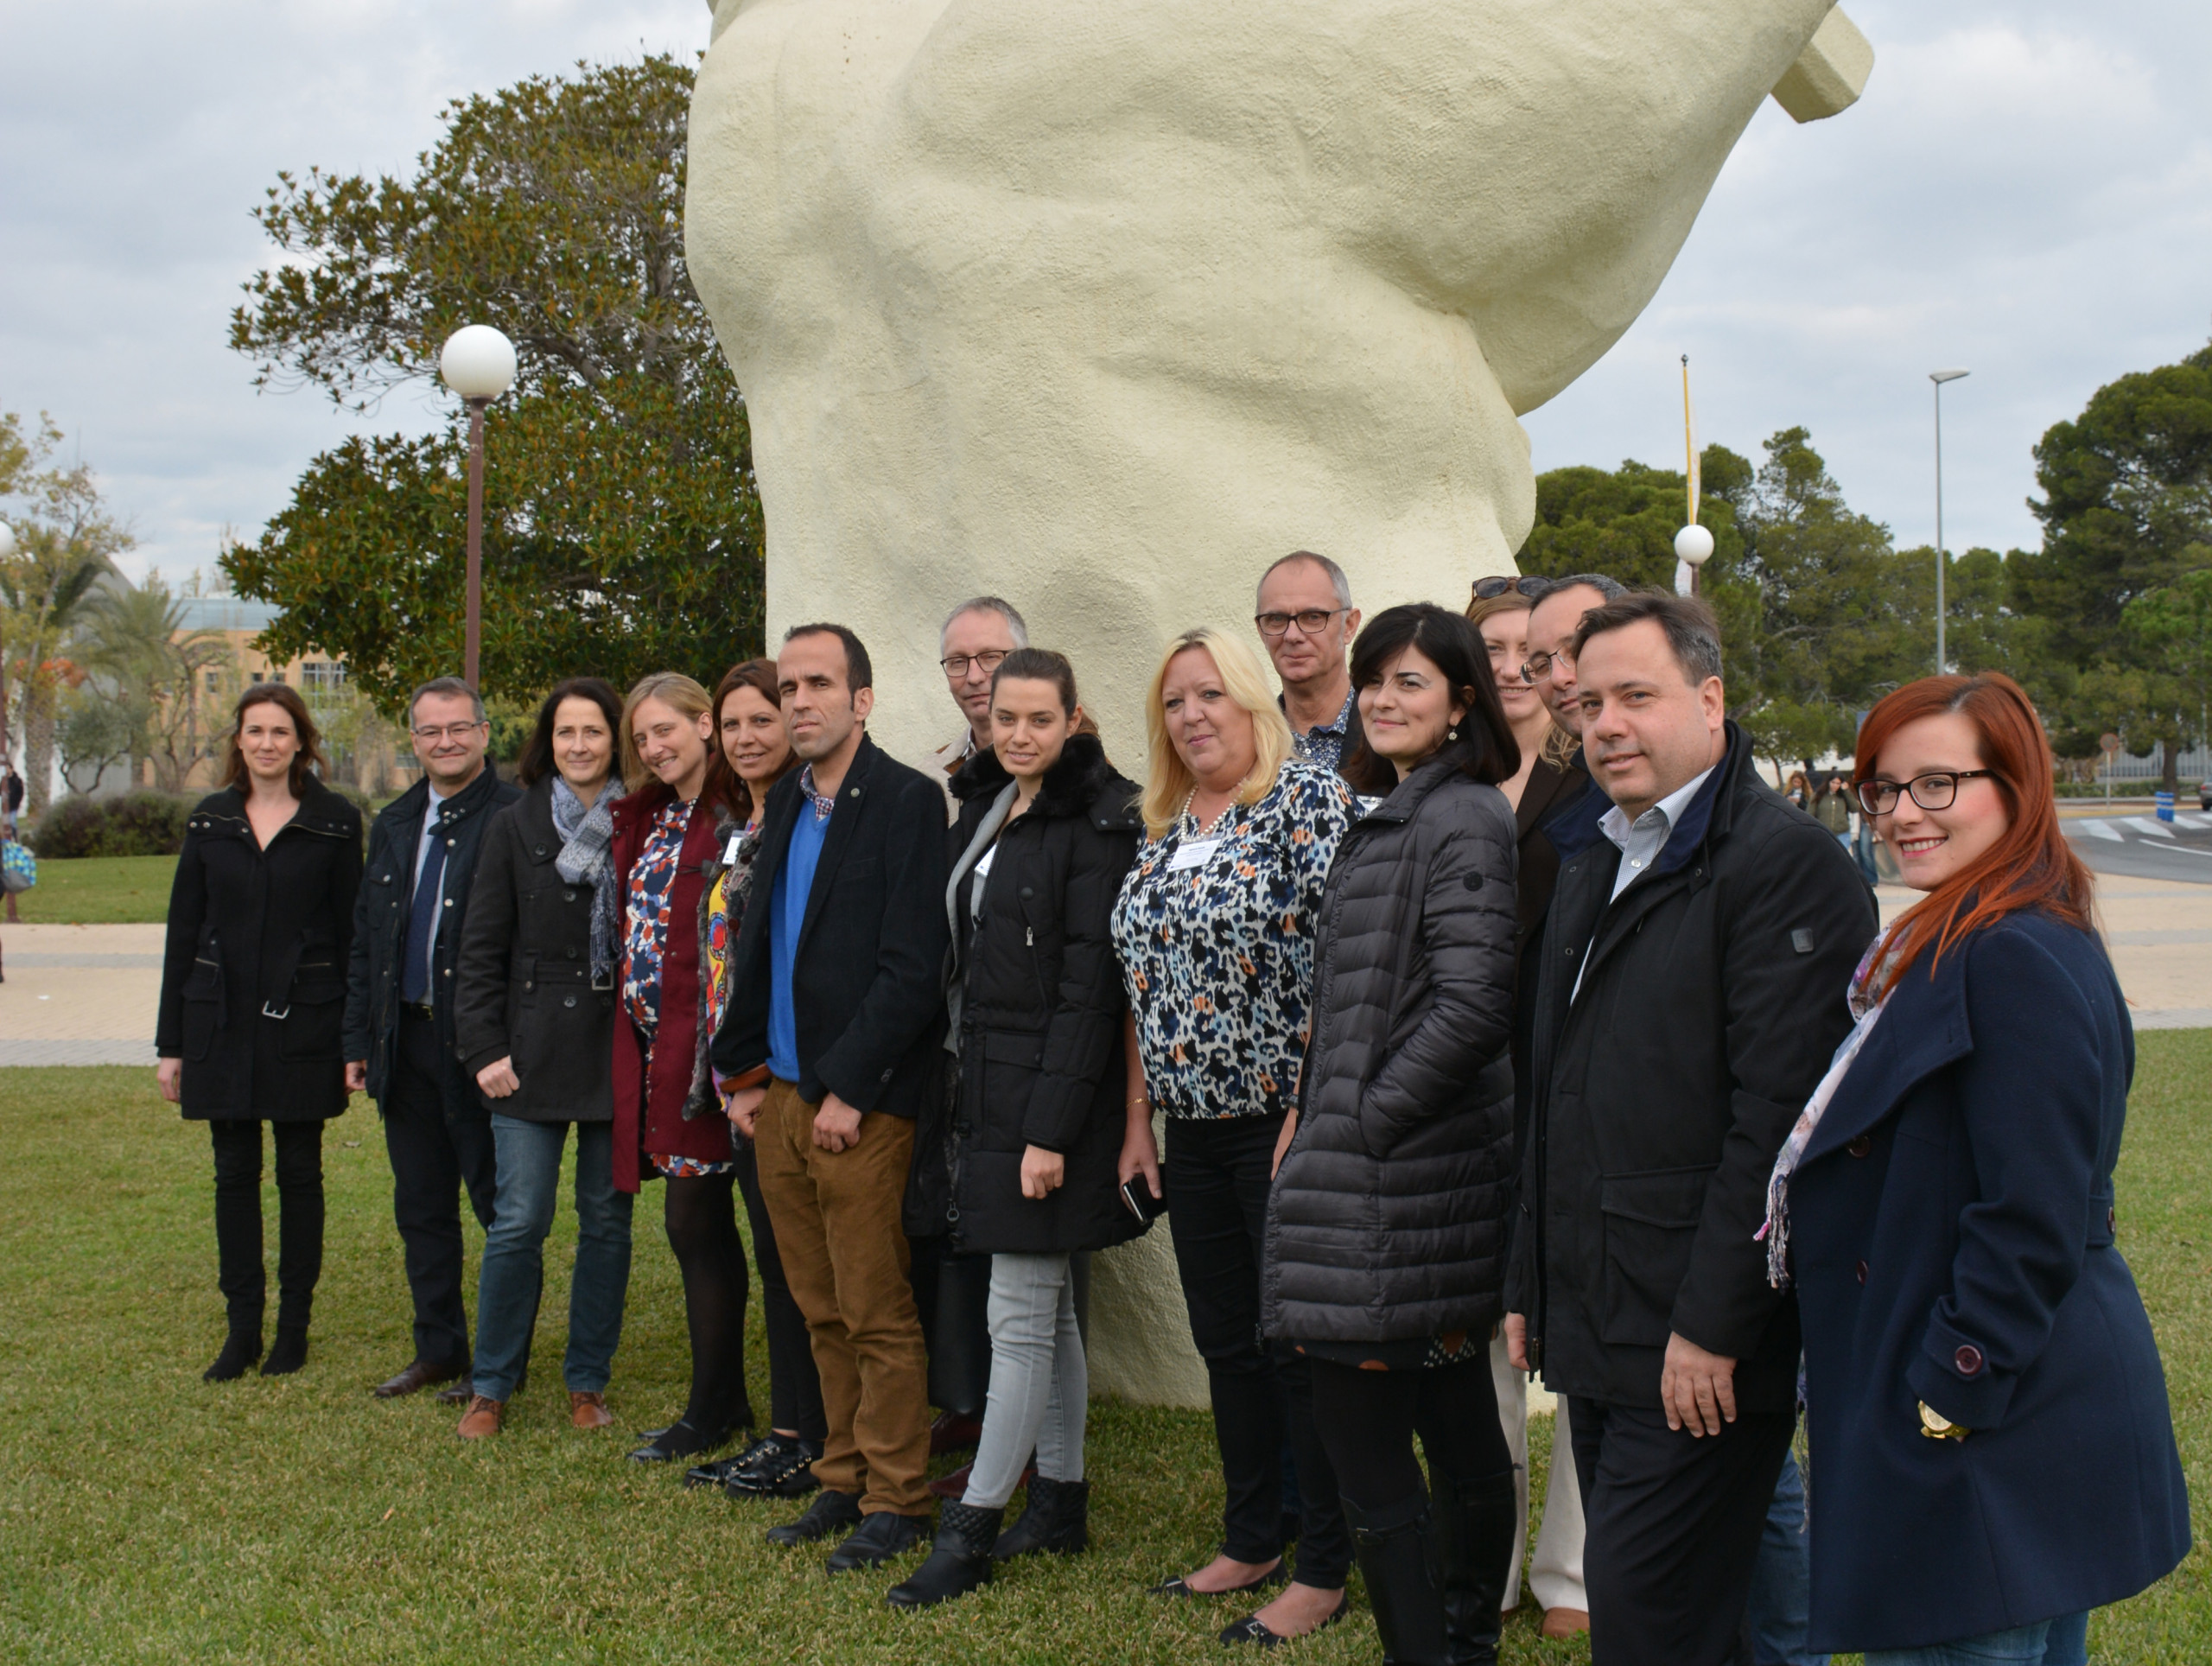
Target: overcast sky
column 2026, row 191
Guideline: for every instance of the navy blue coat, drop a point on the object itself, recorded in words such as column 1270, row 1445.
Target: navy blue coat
column 1952, row 1237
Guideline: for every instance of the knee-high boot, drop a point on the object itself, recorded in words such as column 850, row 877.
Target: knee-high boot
column 1475, row 1523
column 1397, row 1558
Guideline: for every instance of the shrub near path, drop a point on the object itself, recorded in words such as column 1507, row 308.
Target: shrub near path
column 146, row 1515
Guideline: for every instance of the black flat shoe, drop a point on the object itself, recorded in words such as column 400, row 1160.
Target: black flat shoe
column 776, row 1467
column 829, row 1513
column 240, row 1350
column 879, row 1539
column 1179, row 1586
column 679, row 1440
column 718, row 1472
column 1249, row 1630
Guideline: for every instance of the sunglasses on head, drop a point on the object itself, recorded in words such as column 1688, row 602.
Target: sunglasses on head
column 1489, row 590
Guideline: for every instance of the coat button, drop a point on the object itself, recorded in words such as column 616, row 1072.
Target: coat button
column 572, row 954
column 1862, row 1272
column 537, row 850
column 1968, row 1360
column 569, row 1001
column 1860, row 1146
column 568, row 896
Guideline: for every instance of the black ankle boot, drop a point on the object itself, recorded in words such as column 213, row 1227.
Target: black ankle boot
column 959, row 1561
column 1475, row 1524
column 1057, row 1519
column 289, row 1353
column 242, row 1348
column 1397, row 1555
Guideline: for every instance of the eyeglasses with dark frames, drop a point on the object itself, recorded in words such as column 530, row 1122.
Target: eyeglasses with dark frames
column 1936, row 789
column 955, row 665
column 1489, row 590
column 1312, row 622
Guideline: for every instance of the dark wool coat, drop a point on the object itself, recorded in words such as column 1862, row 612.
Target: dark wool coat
column 1712, row 1001
column 253, row 975
column 380, row 930
column 1388, row 1218
column 666, row 1111
column 1041, row 1054
column 868, row 979
column 523, row 990
column 1951, row 1228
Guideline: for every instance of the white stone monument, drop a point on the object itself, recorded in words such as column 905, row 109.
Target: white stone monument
column 1102, row 307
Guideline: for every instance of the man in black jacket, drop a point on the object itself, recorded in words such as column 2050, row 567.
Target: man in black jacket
column 836, row 993
column 1691, row 993
column 400, row 1015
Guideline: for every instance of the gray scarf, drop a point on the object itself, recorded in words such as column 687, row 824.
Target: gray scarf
column 956, row 974
column 587, row 832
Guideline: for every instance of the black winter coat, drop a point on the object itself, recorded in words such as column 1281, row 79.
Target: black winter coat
column 1710, row 1005
column 1042, row 1005
column 253, row 975
column 524, row 978
column 1388, row 1218
column 380, row 928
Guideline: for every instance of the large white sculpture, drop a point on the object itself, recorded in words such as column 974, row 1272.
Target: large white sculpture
column 1103, row 307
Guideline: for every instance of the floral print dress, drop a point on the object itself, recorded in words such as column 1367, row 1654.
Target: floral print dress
column 1215, row 930
column 644, row 945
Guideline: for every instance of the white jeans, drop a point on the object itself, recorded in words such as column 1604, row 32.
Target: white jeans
column 1555, row 1575
column 1040, row 1384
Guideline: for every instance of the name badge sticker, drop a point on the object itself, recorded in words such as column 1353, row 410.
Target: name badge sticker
column 729, row 853
column 1196, row 854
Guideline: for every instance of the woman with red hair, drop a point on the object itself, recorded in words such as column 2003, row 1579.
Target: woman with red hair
column 1992, row 1454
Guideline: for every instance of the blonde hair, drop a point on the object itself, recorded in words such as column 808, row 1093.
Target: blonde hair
column 1168, row 781
column 673, row 690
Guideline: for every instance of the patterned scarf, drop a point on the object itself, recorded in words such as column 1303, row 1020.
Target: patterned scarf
column 586, row 833
column 1866, row 1009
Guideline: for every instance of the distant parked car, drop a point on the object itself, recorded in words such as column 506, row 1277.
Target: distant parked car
column 2204, row 796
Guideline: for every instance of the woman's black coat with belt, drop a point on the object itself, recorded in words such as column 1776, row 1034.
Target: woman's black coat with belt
column 1041, row 1054
column 1389, row 1217
column 253, row 975
column 524, row 976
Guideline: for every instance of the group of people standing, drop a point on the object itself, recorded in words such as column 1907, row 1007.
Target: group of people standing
column 1469, row 1007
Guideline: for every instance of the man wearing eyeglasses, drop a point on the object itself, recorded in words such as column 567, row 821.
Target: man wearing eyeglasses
column 977, row 634
column 1306, row 621
column 1553, row 622
column 400, row 1032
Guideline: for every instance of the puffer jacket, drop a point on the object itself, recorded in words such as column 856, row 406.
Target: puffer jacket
column 1388, row 1218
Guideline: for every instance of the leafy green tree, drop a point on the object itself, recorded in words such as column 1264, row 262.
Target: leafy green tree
column 622, row 525
column 146, row 664
column 2170, row 631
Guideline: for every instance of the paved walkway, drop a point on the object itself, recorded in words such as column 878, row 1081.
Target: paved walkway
column 85, row 995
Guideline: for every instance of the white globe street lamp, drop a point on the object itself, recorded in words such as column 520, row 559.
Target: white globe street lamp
column 479, row 363
column 1692, row 549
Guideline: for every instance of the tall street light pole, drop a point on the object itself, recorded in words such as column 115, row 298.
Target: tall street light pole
column 7, row 549
column 478, row 364
column 1940, row 376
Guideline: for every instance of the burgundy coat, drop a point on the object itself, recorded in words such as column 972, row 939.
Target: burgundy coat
column 666, row 1114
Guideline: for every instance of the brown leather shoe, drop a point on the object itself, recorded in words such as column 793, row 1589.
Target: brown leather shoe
column 419, row 1375
column 482, row 1418
column 1565, row 1622
column 587, row 1409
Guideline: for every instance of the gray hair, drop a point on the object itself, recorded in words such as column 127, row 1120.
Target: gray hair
column 1612, row 589
column 1003, row 608
column 1337, row 582
column 446, row 688
column 1693, row 633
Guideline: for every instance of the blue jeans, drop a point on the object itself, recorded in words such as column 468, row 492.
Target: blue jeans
column 1780, row 1610
column 2063, row 1642
column 514, row 1270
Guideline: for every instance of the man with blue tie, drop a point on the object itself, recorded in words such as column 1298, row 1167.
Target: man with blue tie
column 399, row 1030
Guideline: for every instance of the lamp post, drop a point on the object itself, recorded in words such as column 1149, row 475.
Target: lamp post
column 1940, row 376
column 478, row 364
column 7, row 549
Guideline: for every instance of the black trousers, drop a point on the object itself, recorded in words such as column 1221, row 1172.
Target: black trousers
column 1217, row 1180
column 434, row 1155
column 1673, row 1530
column 238, row 1271
column 794, row 1389
column 1367, row 1422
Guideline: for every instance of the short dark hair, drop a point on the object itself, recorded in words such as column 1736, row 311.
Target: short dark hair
column 1692, row 631
column 859, row 673
column 448, row 687
column 309, row 756
column 537, row 754
column 1486, row 749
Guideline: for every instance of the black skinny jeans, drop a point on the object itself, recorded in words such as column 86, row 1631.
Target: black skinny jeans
column 240, row 1273
column 1217, row 1177
column 794, row 1389
column 1368, row 1420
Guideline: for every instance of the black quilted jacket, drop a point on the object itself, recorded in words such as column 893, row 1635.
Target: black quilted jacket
column 1388, row 1218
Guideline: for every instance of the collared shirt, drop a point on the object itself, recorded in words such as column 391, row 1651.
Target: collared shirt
column 1640, row 842
column 431, row 833
column 1324, row 744
column 824, row 802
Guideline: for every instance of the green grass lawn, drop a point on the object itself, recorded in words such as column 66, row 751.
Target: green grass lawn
column 100, row 890
column 146, row 1515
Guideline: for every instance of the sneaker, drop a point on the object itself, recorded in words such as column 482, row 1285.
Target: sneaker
column 779, row 1466
column 828, row 1513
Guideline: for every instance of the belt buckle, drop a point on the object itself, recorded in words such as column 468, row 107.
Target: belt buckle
column 603, row 985
column 279, row 1016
